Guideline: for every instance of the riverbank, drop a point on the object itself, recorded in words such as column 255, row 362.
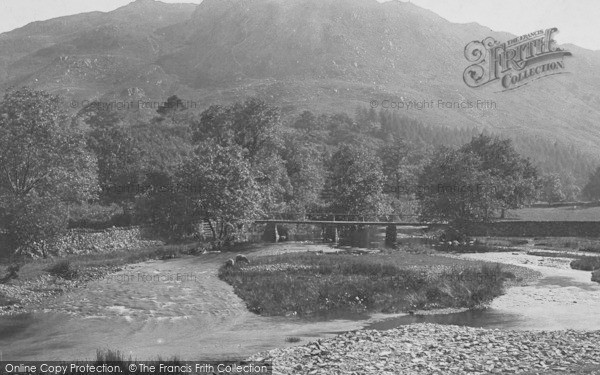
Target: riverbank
column 168, row 308
column 563, row 298
column 436, row 349
column 35, row 287
column 159, row 307
column 39, row 281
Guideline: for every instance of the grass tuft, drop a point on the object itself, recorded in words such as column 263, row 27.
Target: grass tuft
column 63, row 269
column 586, row 264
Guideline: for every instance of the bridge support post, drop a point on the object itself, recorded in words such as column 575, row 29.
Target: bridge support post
column 331, row 234
column 271, row 234
column 391, row 235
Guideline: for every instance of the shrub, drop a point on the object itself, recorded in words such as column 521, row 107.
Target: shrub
column 32, row 222
column 596, row 276
column 586, row 264
column 96, row 216
column 591, row 248
column 6, row 300
column 572, row 244
column 63, row 269
column 453, row 233
column 12, row 272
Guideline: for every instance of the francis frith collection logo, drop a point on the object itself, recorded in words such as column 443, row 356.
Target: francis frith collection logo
column 516, row 62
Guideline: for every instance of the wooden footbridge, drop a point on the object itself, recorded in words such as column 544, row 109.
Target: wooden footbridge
column 332, row 222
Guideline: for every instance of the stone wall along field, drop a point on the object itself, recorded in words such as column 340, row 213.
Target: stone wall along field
column 83, row 241
column 535, row 229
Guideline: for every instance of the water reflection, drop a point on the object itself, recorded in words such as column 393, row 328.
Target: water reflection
column 487, row 318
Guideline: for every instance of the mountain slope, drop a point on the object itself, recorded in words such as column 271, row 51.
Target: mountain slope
column 90, row 54
column 320, row 55
column 307, row 54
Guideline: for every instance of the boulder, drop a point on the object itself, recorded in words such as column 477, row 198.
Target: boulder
column 241, row 259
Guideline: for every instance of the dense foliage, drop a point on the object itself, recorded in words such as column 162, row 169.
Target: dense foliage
column 592, row 189
column 44, row 166
column 230, row 165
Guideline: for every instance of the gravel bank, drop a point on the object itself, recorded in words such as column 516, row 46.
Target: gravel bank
column 31, row 295
column 437, row 349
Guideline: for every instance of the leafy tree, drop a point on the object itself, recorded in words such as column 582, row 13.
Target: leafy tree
column 44, row 163
column 307, row 122
column 252, row 125
column 165, row 207
column 592, row 189
column 454, row 188
column 97, row 115
column 235, row 174
column 401, row 165
column 172, row 108
column 255, row 128
column 517, row 179
column 221, row 185
column 570, row 188
column 305, row 170
column 216, row 186
column 473, row 183
column 129, row 154
column 32, row 222
column 40, row 152
column 357, row 182
column 551, row 189
column 120, row 169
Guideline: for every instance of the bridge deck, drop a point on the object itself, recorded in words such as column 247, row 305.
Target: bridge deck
column 331, row 222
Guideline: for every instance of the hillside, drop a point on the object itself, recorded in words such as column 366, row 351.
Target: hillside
column 320, row 55
column 337, row 54
column 89, row 55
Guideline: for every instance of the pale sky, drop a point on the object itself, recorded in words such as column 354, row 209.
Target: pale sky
column 577, row 20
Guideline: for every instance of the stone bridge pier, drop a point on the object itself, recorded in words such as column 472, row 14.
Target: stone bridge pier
column 277, row 230
column 391, row 235
column 271, row 233
column 331, row 233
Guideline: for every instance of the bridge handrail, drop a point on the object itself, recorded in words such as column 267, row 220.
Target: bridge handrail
column 333, row 216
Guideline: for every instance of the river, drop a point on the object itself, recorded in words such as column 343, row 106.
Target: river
column 180, row 308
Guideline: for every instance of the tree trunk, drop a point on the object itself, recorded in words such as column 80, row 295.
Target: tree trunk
column 212, row 229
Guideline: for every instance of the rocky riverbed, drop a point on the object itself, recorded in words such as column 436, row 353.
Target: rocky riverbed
column 437, row 349
column 30, row 295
